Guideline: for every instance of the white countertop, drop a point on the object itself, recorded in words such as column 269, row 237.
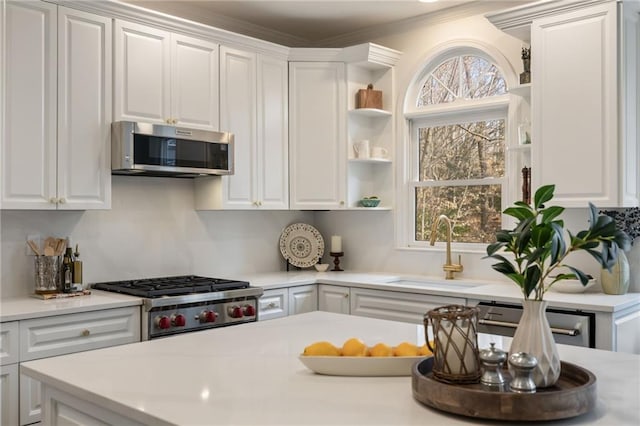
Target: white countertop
column 20, row 308
column 478, row 289
column 29, row 307
column 250, row 374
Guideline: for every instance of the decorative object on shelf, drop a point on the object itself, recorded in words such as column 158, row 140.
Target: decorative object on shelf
column 336, row 260
column 617, row 280
column 525, row 77
column 526, row 185
column 538, row 246
column 369, row 98
column 521, row 366
column 362, row 149
column 492, row 360
column 455, row 337
column 301, row 245
column 379, row 152
column 372, row 201
column 524, row 133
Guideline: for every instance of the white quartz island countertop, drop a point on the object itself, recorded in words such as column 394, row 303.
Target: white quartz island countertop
column 250, row 375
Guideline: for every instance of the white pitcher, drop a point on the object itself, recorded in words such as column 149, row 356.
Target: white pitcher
column 362, row 149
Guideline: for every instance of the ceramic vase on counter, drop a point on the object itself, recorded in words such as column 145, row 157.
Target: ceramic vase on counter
column 616, row 281
column 533, row 337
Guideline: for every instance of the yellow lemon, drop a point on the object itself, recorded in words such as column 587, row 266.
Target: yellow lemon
column 354, row 347
column 381, row 349
column 321, row 349
column 405, row 349
column 424, row 350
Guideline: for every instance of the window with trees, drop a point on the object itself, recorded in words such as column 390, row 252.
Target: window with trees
column 457, row 150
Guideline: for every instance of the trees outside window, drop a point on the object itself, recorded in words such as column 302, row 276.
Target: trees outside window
column 458, row 149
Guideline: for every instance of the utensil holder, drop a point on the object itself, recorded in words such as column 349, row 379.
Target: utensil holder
column 47, row 274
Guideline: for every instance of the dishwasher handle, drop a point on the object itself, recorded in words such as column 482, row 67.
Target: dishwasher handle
column 564, row 331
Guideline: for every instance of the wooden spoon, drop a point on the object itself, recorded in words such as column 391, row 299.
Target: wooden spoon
column 34, row 247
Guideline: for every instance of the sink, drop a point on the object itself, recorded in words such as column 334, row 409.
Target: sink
column 444, row 285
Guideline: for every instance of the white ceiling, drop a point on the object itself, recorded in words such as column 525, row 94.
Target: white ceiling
column 307, row 23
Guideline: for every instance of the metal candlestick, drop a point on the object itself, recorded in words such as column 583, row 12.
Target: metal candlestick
column 336, row 260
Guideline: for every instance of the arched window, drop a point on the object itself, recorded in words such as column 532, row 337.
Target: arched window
column 457, row 158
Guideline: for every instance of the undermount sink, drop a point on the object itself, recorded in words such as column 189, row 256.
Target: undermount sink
column 448, row 284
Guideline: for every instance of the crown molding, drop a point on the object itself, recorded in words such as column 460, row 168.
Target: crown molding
column 133, row 13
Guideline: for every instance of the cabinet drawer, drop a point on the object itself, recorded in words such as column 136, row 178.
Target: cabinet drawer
column 397, row 306
column 273, row 304
column 63, row 334
column 9, row 337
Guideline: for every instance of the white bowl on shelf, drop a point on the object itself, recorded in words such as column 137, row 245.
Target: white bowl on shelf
column 572, row 286
column 321, row 267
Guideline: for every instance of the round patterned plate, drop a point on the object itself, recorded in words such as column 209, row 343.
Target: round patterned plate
column 301, row 245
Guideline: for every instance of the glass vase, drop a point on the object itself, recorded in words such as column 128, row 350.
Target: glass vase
column 533, row 336
column 616, row 281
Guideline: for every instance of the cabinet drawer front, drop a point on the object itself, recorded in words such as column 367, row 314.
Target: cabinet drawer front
column 396, row 306
column 273, row 304
column 9, row 337
column 58, row 335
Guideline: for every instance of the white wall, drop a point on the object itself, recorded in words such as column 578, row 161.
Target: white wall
column 368, row 238
column 151, row 230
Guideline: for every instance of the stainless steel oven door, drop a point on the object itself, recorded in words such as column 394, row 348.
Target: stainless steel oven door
column 568, row 327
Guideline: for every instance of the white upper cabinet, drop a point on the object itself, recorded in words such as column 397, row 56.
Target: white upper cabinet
column 253, row 106
column 165, row 78
column 318, row 111
column 584, row 98
column 55, row 147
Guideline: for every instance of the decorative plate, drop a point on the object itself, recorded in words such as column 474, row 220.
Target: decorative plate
column 301, row 245
column 361, row 365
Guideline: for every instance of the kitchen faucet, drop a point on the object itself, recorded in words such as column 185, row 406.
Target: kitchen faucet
column 448, row 267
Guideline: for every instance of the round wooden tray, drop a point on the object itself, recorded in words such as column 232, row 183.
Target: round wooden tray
column 572, row 395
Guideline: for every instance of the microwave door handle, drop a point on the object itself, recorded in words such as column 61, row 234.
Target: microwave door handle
column 564, row 331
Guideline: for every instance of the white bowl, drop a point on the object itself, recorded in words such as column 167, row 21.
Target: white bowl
column 321, row 267
column 572, row 286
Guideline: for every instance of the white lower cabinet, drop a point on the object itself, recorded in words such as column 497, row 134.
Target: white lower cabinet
column 9, row 388
column 280, row 302
column 58, row 335
column 332, row 298
column 618, row 331
column 397, row 306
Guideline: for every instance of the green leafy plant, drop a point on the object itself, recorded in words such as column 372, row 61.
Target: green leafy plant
column 538, row 244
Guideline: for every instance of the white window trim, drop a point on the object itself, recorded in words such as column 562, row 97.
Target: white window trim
column 503, row 104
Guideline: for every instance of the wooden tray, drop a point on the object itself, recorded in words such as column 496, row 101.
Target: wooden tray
column 572, row 395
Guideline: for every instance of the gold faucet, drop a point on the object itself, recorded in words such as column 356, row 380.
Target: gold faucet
column 448, row 267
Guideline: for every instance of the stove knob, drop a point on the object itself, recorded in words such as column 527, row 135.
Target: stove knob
column 163, row 322
column 249, row 310
column 235, row 312
column 178, row 320
column 207, row 316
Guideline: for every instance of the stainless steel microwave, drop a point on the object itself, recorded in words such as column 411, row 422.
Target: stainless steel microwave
column 160, row 150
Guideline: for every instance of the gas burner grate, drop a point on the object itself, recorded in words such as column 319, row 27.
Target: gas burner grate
column 170, row 286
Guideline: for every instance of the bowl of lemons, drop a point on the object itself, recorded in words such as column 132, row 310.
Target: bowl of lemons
column 355, row 358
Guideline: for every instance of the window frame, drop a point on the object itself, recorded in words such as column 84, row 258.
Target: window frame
column 461, row 110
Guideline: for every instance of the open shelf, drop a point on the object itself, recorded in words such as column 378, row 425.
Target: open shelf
column 370, row 112
column 521, row 90
column 370, row 160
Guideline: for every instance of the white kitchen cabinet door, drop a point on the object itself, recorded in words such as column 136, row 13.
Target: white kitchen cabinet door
column 253, row 106
column 30, row 400
column 575, row 106
column 317, row 111
column 142, row 73
column 272, row 173
column 9, row 394
column 194, row 83
column 29, row 166
column 84, row 110
column 238, row 116
column 333, row 298
column 303, row 299
column 273, row 304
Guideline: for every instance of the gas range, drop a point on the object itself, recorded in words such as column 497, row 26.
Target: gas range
column 185, row 303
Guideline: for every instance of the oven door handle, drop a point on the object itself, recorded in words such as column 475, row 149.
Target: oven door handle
column 564, row 331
